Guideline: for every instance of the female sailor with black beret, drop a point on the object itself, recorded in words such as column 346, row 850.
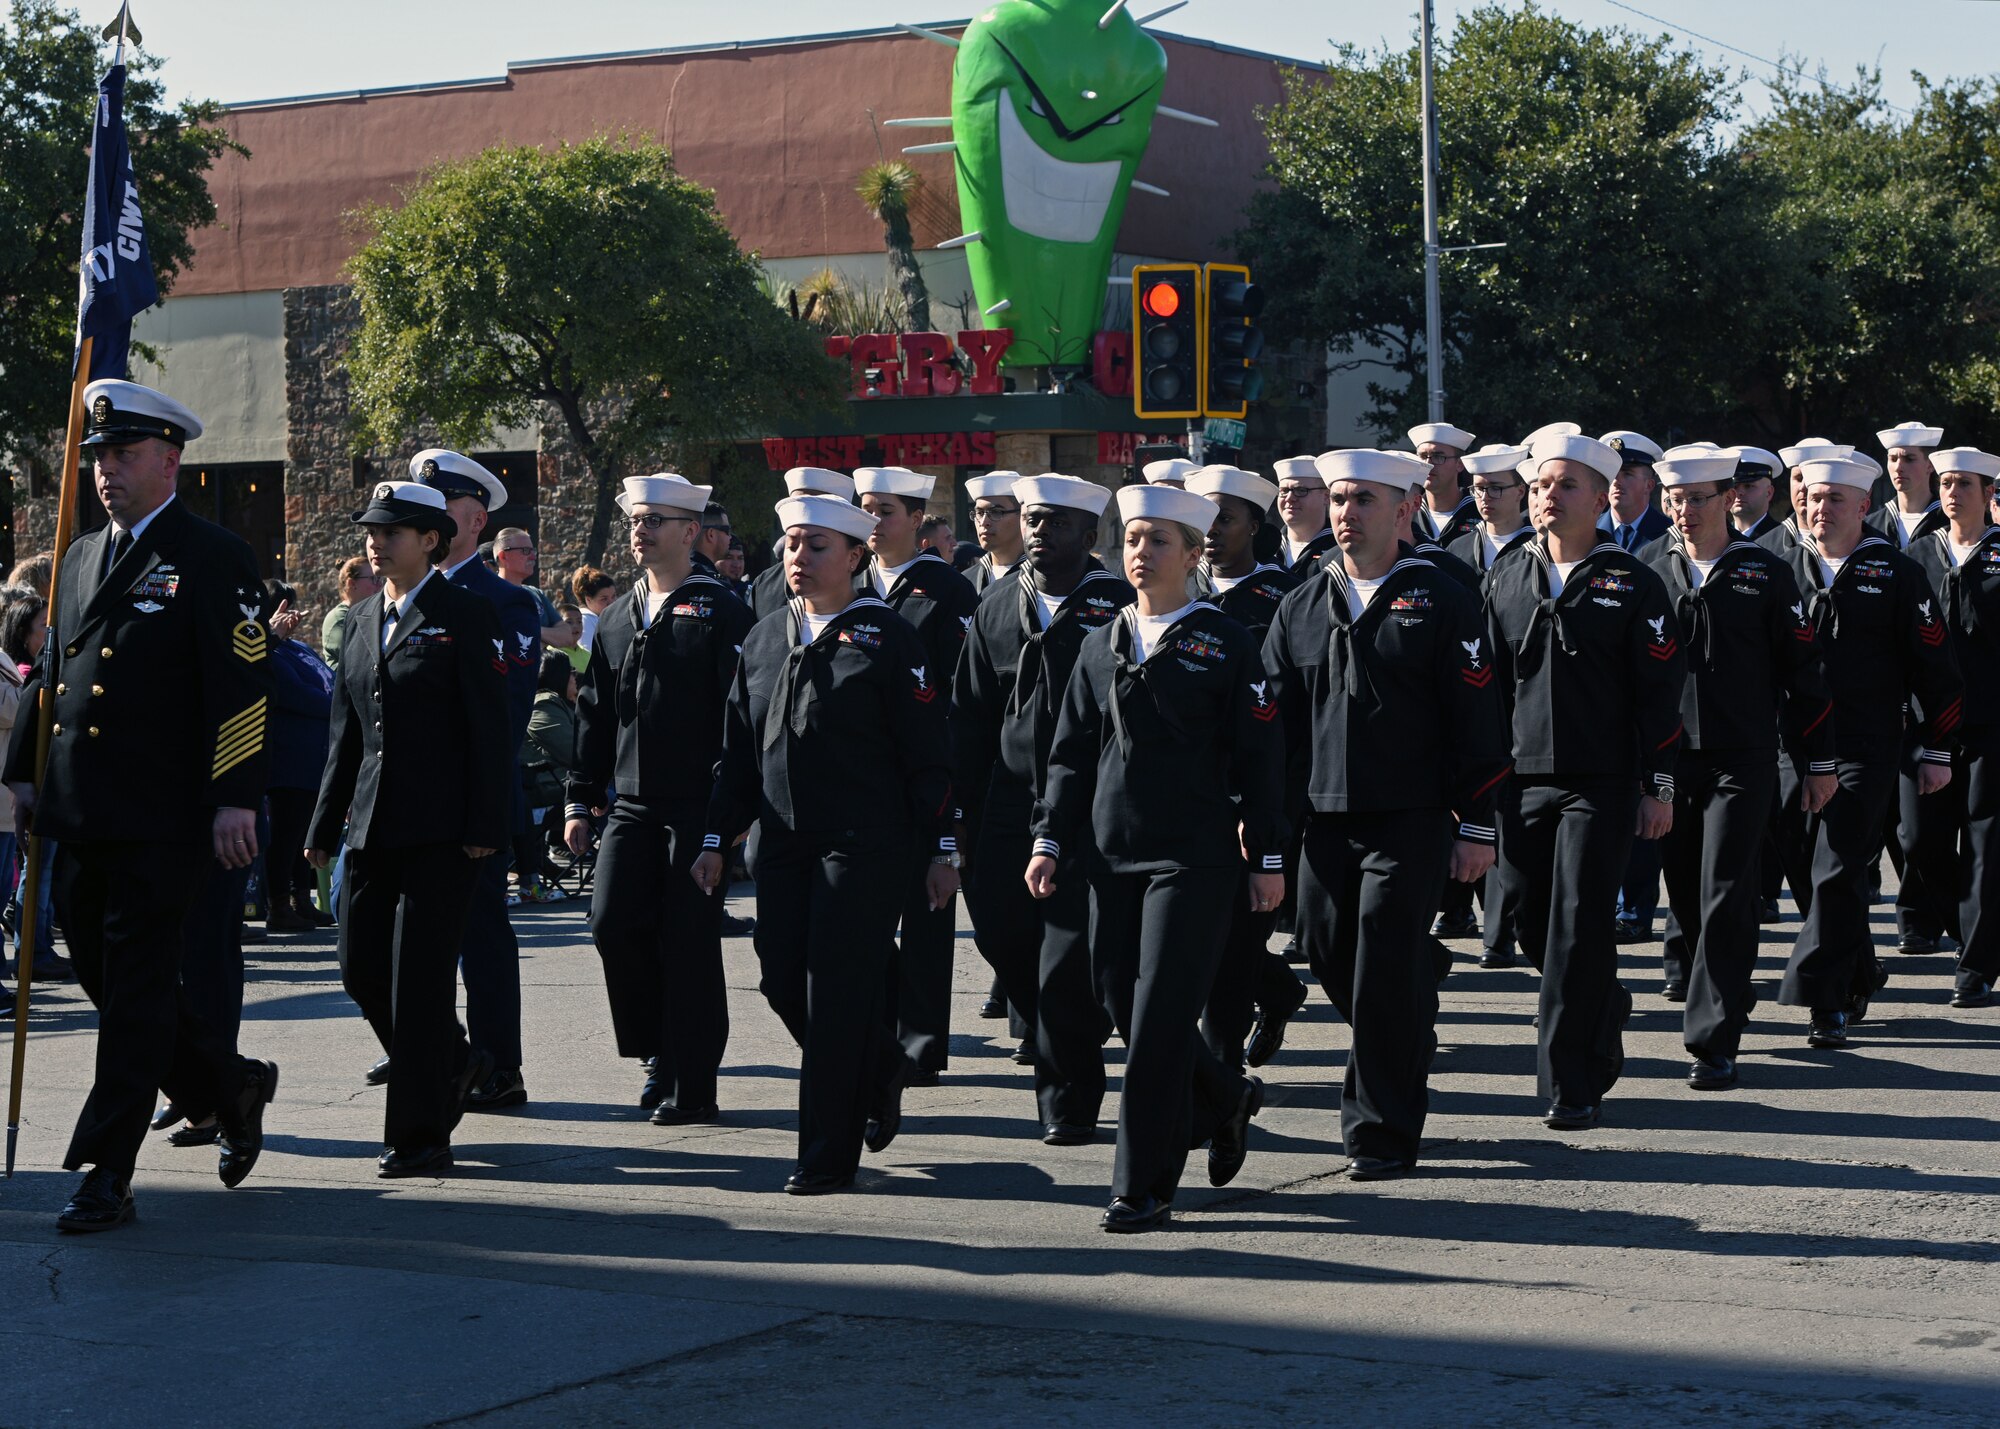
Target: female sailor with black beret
column 1168, row 748
column 419, row 726
column 835, row 744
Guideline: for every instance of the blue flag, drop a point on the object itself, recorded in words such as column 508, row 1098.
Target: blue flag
column 117, row 271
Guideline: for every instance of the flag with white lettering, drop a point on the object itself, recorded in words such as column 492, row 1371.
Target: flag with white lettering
column 117, row 270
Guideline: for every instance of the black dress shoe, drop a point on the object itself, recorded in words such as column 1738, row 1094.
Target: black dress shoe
column 888, row 1119
column 1376, row 1168
column 993, row 1008
column 1456, row 925
column 1716, row 1076
column 284, row 920
column 378, row 1075
column 242, row 1139
column 205, row 1135
column 1231, row 1143
column 1675, row 992
column 476, row 1072
column 1627, row 930
column 1058, row 1133
column 1977, row 993
column 1267, row 1037
column 418, row 1161
column 102, row 1203
column 1917, row 943
column 1769, row 912
column 735, row 927
column 922, row 1077
column 817, row 1183
column 667, row 1114
column 166, row 1116
column 1130, row 1215
column 1497, row 958
column 653, row 1092
column 1024, row 1055
column 499, row 1091
column 1827, row 1029
column 1569, row 1118
column 1292, row 952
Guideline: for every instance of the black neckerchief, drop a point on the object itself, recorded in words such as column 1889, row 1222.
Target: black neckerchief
column 1691, row 604
column 1028, row 669
column 790, row 706
column 1346, row 652
column 1825, row 614
column 1129, row 678
column 1550, row 607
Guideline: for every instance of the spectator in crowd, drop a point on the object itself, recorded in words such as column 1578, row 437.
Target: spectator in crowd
column 24, row 629
column 34, row 574
column 577, row 652
column 593, row 590
column 934, row 534
column 11, row 681
column 548, row 760
column 301, row 708
column 515, row 557
column 711, row 543
column 357, row 583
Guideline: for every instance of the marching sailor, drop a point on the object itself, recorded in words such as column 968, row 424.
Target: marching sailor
column 1167, row 749
column 1377, row 655
column 1500, row 496
column 1302, row 509
column 835, row 743
column 1005, row 701
column 1903, row 504
column 1446, row 510
column 996, row 521
column 1752, row 669
column 649, row 723
column 1589, row 661
column 938, row 603
column 1883, row 643
column 768, row 592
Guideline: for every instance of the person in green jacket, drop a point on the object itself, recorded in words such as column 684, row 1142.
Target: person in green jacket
column 357, row 583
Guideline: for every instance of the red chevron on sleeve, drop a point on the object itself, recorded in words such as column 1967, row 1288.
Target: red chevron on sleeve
column 1664, row 651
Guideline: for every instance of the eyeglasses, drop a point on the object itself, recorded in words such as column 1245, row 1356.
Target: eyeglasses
column 1300, row 492
column 1492, row 488
column 1688, row 501
column 507, row 550
column 993, row 513
column 725, row 530
column 653, row 521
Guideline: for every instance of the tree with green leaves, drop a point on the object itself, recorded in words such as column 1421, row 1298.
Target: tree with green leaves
column 590, row 277
column 50, row 62
column 1638, row 272
column 887, row 190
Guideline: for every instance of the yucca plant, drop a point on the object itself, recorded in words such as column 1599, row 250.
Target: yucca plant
column 888, row 189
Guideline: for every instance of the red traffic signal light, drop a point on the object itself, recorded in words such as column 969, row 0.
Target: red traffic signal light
column 1162, row 300
column 1167, row 347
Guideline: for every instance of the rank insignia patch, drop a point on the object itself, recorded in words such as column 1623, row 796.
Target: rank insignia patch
column 249, row 642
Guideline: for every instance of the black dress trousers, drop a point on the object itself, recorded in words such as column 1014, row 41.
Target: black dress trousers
column 918, row 986
column 1979, row 870
column 826, row 916
column 1928, row 827
column 1827, row 857
column 1567, row 844
column 1240, row 976
column 1156, row 939
column 402, row 915
column 124, row 911
column 660, row 939
column 1711, row 859
column 1367, row 886
column 490, row 962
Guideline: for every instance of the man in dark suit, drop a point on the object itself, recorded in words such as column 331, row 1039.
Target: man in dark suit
column 490, row 959
column 158, row 667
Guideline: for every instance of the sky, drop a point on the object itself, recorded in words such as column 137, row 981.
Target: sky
column 238, row 50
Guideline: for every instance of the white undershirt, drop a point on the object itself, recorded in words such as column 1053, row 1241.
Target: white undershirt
column 1829, row 571
column 654, row 600
column 1223, row 583
column 1295, row 549
column 1961, row 554
column 1910, row 520
column 1360, row 593
column 810, row 625
column 1147, row 629
column 1702, row 571
column 1050, row 605
column 1559, row 575
column 886, row 576
column 999, row 570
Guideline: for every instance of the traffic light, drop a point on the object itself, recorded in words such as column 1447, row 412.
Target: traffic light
column 1232, row 380
column 1166, row 340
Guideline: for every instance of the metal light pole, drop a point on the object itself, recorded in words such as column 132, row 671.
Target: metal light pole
column 1433, row 318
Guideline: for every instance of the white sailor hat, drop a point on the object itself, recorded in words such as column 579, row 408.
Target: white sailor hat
column 1600, row 457
column 1812, row 449
column 1633, row 448
column 1753, row 462
column 1154, row 502
column 1968, row 459
column 893, row 481
column 664, row 488
column 817, row 478
column 1444, row 434
column 1175, row 470
column 407, row 503
column 1863, row 459
column 1494, row 458
column 1225, row 480
column 1404, row 470
column 116, row 411
column 1910, row 434
column 994, row 483
column 1838, row 471
column 1553, row 429
column 1683, row 466
column 456, row 474
column 1054, row 489
column 829, row 512
column 1300, row 469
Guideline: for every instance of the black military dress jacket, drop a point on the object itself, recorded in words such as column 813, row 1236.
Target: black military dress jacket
column 1780, row 538
column 1358, row 694
column 1448, row 564
column 1162, row 756
column 844, row 738
column 1010, row 684
column 1444, row 532
column 1969, row 599
column 1884, row 520
column 938, row 603
column 1253, row 601
column 1592, row 676
column 982, row 577
column 420, row 729
column 1469, row 546
column 650, row 702
column 1310, row 555
column 160, row 672
column 1753, row 664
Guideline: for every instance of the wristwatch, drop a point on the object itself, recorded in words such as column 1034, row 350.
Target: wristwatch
column 1664, row 795
column 949, row 860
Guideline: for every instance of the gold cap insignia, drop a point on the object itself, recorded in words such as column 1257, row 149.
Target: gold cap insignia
column 429, row 468
column 100, row 411
column 385, row 490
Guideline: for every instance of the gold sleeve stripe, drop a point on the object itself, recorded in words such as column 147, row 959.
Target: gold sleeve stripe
column 251, row 737
column 223, row 766
column 241, row 736
column 242, row 720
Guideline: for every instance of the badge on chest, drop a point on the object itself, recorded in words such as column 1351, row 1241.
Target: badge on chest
column 154, row 589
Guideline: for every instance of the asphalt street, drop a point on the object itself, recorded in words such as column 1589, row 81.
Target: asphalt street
column 1819, row 1247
